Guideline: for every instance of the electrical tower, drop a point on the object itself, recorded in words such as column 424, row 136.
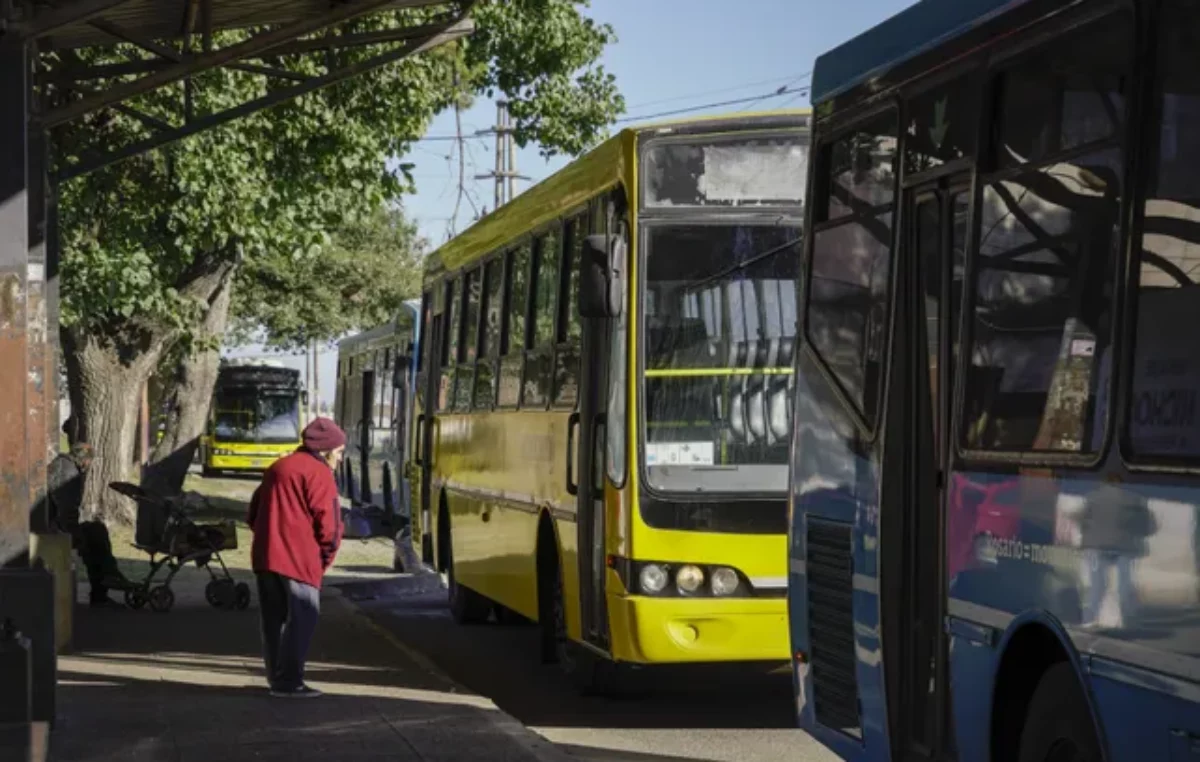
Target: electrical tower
column 505, row 174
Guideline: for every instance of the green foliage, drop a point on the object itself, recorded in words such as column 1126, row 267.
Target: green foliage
column 360, row 279
column 272, row 188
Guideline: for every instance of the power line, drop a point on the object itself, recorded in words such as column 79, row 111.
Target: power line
column 796, row 81
column 790, row 79
column 734, row 102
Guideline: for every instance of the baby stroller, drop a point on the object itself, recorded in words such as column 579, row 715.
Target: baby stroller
column 164, row 528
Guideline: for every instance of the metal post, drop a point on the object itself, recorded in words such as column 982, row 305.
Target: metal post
column 511, row 152
column 14, row 259
column 500, row 144
column 42, row 354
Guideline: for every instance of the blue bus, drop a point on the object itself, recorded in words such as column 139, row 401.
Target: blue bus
column 995, row 464
column 374, row 405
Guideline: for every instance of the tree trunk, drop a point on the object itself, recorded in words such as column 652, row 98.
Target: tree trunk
column 105, row 380
column 106, row 371
column 187, row 395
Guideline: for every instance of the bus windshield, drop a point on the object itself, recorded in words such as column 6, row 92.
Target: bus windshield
column 720, row 323
column 256, row 415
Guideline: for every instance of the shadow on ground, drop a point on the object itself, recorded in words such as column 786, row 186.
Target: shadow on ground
column 502, row 661
column 187, row 685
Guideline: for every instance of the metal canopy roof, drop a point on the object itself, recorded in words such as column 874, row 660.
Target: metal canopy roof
column 176, row 37
column 70, row 23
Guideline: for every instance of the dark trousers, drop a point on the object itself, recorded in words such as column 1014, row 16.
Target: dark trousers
column 289, row 611
column 95, row 550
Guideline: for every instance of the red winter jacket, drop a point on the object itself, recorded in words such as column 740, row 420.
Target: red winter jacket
column 296, row 518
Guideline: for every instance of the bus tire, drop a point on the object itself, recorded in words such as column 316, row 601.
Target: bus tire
column 466, row 605
column 590, row 673
column 1058, row 720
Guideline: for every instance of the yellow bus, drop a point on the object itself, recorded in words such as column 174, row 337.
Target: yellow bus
column 602, row 412
column 255, row 418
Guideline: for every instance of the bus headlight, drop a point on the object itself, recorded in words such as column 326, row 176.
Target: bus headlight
column 724, row 581
column 653, row 578
column 689, row 578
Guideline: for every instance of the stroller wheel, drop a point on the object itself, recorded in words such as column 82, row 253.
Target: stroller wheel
column 136, row 598
column 220, row 593
column 161, row 599
column 243, row 596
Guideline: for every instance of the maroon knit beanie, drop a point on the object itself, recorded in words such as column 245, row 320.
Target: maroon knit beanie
column 323, row 435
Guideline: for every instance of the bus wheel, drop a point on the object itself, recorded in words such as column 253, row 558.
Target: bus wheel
column 1058, row 725
column 589, row 672
column 507, row 617
column 466, row 605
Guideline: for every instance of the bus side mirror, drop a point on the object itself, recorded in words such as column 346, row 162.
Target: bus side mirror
column 599, row 277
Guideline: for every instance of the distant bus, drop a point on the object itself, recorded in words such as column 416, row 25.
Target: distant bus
column 995, row 472
column 373, row 404
column 602, row 399
column 255, row 417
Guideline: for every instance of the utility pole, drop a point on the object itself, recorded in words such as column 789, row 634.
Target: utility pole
column 505, row 175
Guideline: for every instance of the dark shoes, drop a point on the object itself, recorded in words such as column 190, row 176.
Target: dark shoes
column 301, row 692
column 105, row 603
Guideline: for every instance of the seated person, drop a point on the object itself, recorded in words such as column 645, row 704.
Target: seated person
column 90, row 538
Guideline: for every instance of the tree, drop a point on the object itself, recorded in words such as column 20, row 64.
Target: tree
column 151, row 245
column 359, row 280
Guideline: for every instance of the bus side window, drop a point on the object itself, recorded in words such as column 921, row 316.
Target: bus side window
column 567, row 328
column 489, row 339
column 423, row 350
column 851, row 260
column 450, row 340
column 513, row 338
column 1163, row 419
column 469, row 348
column 1048, row 240
column 540, row 362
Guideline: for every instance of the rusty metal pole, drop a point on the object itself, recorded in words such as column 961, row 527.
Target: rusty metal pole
column 14, row 341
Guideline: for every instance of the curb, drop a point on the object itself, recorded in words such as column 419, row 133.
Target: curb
column 539, row 747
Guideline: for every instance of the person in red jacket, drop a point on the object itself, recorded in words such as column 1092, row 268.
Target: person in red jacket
column 295, row 515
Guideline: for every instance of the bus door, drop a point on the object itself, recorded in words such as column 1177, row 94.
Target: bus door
column 365, row 430
column 590, row 422
column 930, row 282
column 432, row 335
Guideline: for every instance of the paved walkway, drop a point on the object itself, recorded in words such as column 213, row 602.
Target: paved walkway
column 187, row 685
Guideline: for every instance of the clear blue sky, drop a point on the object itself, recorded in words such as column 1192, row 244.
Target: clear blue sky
column 670, row 54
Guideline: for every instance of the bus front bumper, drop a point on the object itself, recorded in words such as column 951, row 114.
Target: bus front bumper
column 679, row 630
column 241, row 462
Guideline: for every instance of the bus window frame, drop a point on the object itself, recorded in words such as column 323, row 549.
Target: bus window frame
column 562, row 319
column 446, row 364
column 532, row 348
column 822, row 142
column 1008, row 54
column 1145, row 130
column 465, row 365
column 493, row 356
column 507, row 350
